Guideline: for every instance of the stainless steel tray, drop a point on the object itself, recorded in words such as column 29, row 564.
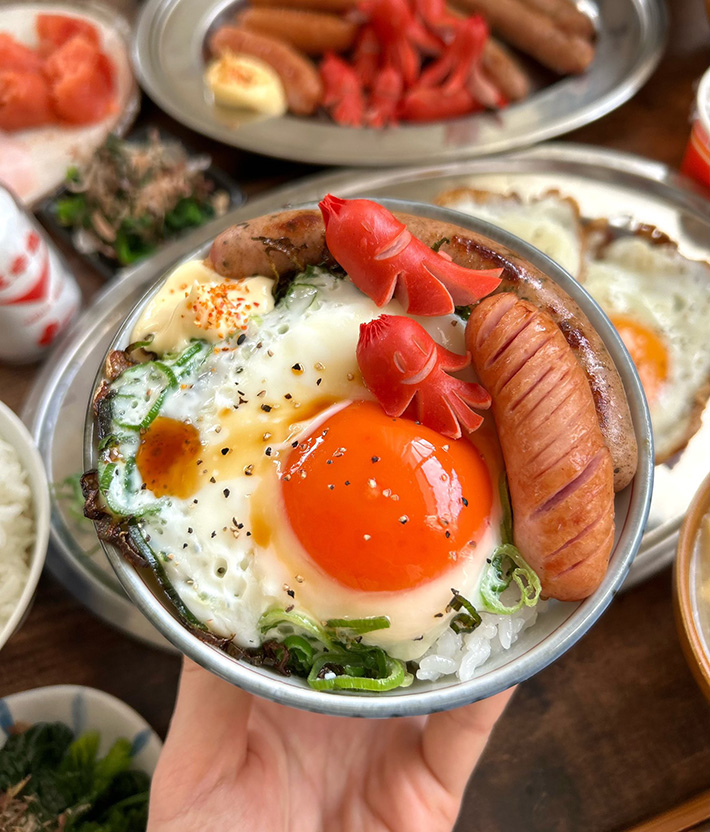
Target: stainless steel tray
column 168, row 56
column 637, row 191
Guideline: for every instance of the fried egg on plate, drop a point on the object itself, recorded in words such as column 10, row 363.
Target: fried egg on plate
column 282, row 484
column 550, row 222
column 659, row 301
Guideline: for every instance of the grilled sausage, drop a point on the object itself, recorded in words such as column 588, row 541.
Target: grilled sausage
column 505, row 71
column 559, row 468
column 312, row 32
column 534, row 33
column 566, row 16
column 298, row 74
column 295, row 239
column 333, row 6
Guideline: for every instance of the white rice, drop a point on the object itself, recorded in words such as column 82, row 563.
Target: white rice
column 463, row 654
column 16, row 530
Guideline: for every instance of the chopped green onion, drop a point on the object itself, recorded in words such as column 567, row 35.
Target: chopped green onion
column 464, row 622
column 506, row 524
column 274, row 618
column 359, row 625
column 508, row 566
column 301, row 651
column 141, row 544
column 352, row 680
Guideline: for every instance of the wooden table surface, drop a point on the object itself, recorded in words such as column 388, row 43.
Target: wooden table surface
column 613, row 732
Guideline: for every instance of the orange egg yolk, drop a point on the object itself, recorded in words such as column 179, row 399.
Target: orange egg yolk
column 648, row 352
column 385, row 504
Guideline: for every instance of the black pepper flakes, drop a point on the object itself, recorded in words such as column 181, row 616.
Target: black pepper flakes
column 297, row 368
column 225, row 451
column 266, row 408
column 213, row 535
column 290, row 593
column 447, row 535
column 347, row 482
column 249, row 470
column 464, row 501
column 375, row 459
column 267, row 451
column 226, row 492
column 242, row 338
column 318, row 381
column 189, row 530
column 213, row 480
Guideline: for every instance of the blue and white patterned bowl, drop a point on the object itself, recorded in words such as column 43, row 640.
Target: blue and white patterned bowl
column 84, row 709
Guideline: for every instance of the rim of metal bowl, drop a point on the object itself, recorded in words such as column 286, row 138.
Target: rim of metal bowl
column 409, row 701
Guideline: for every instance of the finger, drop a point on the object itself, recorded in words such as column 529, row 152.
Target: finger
column 210, row 716
column 453, row 741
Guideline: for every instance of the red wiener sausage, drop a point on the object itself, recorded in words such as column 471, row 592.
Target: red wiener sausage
column 559, row 468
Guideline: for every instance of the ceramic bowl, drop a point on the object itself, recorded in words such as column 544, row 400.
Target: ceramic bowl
column 691, row 583
column 553, row 633
column 84, row 709
column 13, row 431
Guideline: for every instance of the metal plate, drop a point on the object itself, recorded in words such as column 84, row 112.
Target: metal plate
column 168, row 55
column 638, row 190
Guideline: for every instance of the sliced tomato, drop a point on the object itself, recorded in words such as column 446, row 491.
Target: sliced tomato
column 54, row 30
column 81, row 78
column 24, row 100
column 16, row 56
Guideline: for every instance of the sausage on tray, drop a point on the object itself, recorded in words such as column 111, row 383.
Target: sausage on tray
column 505, row 71
column 298, row 74
column 312, row 32
column 333, row 6
column 560, row 471
column 534, row 33
column 297, row 239
column 566, row 16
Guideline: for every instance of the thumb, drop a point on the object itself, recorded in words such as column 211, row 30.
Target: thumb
column 210, row 718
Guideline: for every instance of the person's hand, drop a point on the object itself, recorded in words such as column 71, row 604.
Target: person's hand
column 236, row 762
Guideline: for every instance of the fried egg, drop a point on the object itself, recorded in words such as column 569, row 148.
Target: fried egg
column 280, row 483
column 659, row 301
column 550, row 222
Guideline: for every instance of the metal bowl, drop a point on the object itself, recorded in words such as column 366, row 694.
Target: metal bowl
column 553, row 633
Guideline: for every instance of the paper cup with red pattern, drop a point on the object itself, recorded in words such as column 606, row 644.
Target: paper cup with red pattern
column 38, row 295
column 696, row 162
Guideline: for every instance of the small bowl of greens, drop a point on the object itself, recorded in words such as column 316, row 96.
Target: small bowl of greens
column 135, row 194
column 74, row 752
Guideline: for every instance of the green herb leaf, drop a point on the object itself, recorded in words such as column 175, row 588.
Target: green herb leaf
column 71, row 210
column 464, row 312
column 41, row 746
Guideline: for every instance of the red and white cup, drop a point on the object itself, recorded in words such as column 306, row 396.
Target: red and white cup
column 38, row 295
column 696, row 162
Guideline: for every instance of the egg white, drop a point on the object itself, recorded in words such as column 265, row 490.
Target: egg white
column 228, row 549
column 670, row 295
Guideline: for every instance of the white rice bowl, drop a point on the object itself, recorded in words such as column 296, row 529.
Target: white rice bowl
column 24, row 521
